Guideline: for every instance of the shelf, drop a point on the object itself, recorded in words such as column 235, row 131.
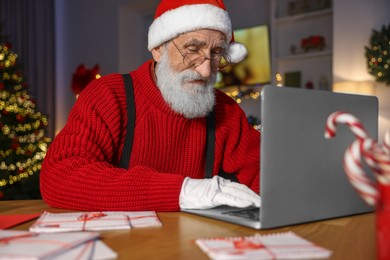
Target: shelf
column 303, row 16
column 289, row 31
column 307, row 55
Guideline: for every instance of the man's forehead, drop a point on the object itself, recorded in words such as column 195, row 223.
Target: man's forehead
column 203, row 36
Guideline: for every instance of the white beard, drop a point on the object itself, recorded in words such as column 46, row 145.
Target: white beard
column 188, row 99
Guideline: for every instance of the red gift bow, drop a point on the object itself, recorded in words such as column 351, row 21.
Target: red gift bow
column 91, row 215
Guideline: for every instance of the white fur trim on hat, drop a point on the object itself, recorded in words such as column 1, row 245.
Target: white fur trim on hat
column 188, row 18
column 237, row 52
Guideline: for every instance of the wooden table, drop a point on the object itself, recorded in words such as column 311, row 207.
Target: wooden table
column 348, row 237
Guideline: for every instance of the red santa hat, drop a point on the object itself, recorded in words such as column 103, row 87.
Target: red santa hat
column 174, row 17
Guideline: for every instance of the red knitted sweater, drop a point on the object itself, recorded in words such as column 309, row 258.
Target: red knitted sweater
column 79, row 173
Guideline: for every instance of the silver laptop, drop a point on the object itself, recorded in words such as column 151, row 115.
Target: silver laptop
column 302, row 178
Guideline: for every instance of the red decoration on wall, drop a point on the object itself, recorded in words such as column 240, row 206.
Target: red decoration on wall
column 309, row 85
column 82, row 77
column 313, row 42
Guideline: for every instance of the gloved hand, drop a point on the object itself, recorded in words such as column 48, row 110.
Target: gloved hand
column 209, row 193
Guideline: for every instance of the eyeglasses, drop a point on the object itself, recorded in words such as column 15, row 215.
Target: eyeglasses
column 194, row 58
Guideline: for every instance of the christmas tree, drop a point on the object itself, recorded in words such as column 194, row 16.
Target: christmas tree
column 378, row 55
column 23, row 143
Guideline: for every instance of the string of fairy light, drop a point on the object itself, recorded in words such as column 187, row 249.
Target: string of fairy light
column 378, row 54
column 375, row 66
column 25, row 139
column 239, row 95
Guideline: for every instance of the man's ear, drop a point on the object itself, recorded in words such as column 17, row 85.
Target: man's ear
column 156, row 53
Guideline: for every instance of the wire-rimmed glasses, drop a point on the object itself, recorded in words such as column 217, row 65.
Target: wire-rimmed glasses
column 192, row 59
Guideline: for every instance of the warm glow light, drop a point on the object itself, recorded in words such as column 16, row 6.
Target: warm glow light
column 355, row 87
column 279, row 80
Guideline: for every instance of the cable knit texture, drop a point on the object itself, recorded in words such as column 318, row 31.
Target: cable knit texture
column 80, row 173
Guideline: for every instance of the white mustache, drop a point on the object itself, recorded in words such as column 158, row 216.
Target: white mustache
column 192, row 76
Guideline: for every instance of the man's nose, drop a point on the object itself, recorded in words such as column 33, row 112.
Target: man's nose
column 204, row 69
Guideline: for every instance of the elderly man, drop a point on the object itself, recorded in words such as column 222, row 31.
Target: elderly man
column 165, row 139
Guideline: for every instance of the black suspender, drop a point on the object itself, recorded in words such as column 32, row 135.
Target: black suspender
column 210, row 142
column 125, row 158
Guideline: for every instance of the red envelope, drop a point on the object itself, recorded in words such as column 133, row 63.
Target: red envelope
column 7, row 221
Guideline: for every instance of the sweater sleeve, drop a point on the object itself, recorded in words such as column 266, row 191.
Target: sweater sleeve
column 79, row 170
column 238, row 142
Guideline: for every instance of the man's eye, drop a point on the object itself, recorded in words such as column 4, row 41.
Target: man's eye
column 193, row 50
column 217, row 51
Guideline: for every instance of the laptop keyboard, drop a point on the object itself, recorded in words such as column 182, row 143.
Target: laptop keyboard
column 251, row 213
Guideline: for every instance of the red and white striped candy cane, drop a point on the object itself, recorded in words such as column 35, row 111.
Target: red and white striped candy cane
column 344, row 118
column 378, row 160
column 379, row 163
column 352, row 157
column 355, row 172
column 379, row 157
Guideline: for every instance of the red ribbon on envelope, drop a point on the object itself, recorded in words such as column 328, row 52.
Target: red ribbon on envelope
column 89, row 216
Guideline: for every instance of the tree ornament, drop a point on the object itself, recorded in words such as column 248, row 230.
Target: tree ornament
column 378, row 55
column 20, row 118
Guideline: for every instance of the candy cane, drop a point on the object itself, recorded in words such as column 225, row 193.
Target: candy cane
column 352, row 157
column 355, row 173
column 378, row 160
column 346, row 118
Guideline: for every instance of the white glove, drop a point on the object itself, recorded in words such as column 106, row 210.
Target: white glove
column 209, row 193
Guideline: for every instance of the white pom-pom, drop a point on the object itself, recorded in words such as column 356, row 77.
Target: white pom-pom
column 237, row 52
